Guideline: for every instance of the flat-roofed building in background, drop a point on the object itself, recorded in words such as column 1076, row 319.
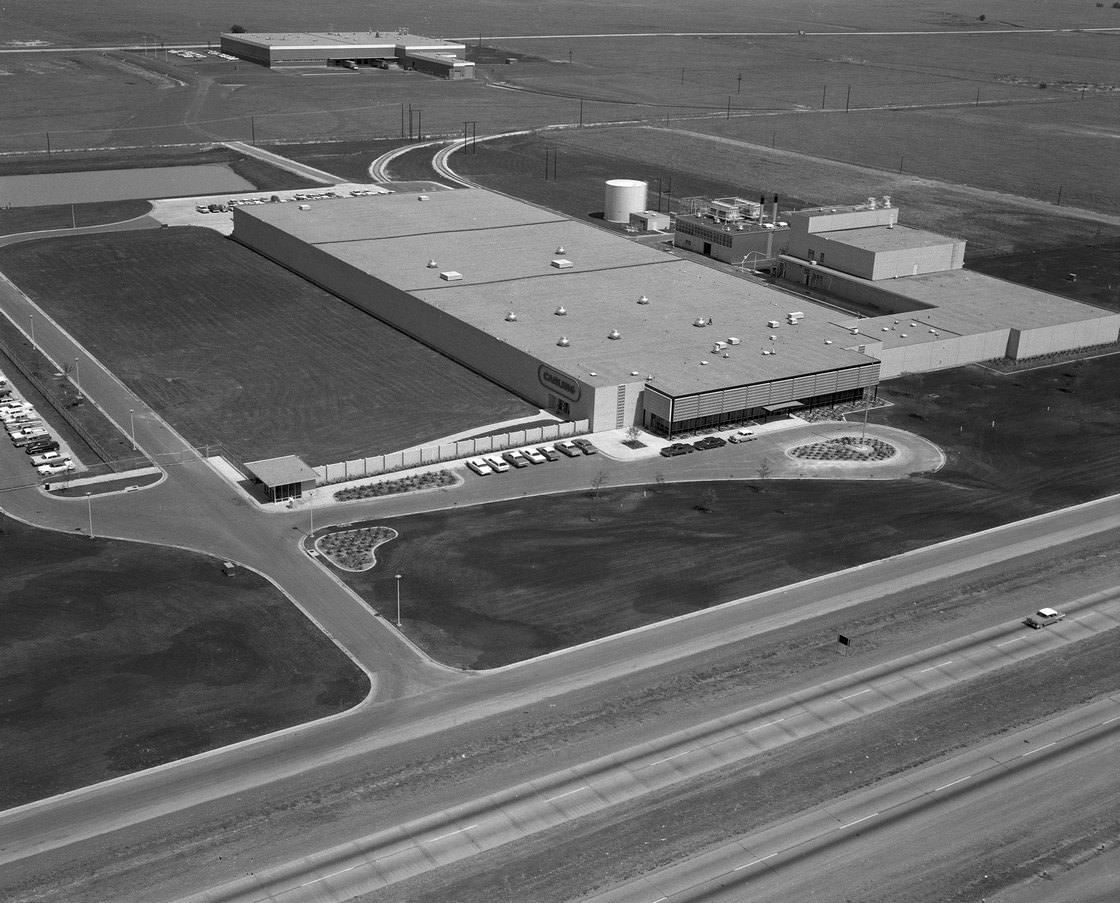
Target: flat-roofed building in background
column 352, row 49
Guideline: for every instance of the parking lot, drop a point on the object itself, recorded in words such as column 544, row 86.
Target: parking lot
column 36, row 452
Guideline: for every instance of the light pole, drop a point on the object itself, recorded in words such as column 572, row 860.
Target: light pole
column 132, row 427
column 77, row 377
column 31, row 317
column 89, row 506
column 398, row 600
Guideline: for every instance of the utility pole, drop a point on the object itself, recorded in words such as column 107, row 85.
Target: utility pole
column 253, row 129
column 740, row 90
column 848, row 101
column 824, row 94
column 728, row 106
column 581, row 112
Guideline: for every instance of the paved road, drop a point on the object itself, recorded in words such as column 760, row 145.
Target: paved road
column 364, row 865
column 876, row 843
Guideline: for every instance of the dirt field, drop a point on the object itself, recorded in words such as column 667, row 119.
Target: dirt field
column 135, row 656
column 234, row 350
column 481, row 611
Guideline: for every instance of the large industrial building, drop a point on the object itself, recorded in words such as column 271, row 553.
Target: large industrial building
column 352, row 49
column 592, row 325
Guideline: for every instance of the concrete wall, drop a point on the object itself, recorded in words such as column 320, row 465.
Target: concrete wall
column 1027, row 343
column 942, row 353
column 880, row 300
column 823, row 220
column 446, row 451
column 916, row 261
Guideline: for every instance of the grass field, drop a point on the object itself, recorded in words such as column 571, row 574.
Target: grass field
column 236, row 351
column 116, row 657
column 551, row 575
column 696, row 164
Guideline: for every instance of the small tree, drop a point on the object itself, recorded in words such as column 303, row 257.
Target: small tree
column 707, row 500
column 238, row 29
column 764, row 469
column 597, row 483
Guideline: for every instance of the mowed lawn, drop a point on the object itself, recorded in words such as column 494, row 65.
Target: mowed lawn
column 490, row 585
column 232, row 349
column 119, row 656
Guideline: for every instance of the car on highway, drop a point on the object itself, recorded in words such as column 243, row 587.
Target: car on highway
column 585, row 446
column 677, row 448
column 1044, row 617
column 549, row 454
column 515, row 458
column 479, row 466
column 496, row 463
column 709, row 442
column 48, row 457
column 49, row 470
column 533, row 456
column 568, row 448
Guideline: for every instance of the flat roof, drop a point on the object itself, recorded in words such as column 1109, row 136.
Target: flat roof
column 887, row 238
column 344, row 40
column 283, row 471
column 504, row 250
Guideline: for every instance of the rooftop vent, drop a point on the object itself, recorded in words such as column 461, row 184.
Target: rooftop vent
column 643, row 300
column 561, row 311
column 304, row 206
column 451, row 276
column 633, row 372
column 614, row 334
column 560, row 252
column 511, row 317
column 422, row 197
column 562, row 263
column 699, row 321
column 703, row 363
column 563, row 342
column 854, row 331
column 734, row 340
column 432, row 265
column 828, row 341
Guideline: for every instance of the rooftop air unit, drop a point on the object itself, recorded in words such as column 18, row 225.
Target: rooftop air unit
column 511, row 317
column 643, row 300
column 451, row 276
column 561, row 311
column 563, row 342
column 560, row 252
column 562, row 264
column 614, row 334
column 699, row 321
column 734, row 340
column 432, row 265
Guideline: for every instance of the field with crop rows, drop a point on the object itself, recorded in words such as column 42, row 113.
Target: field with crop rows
column 234, row 350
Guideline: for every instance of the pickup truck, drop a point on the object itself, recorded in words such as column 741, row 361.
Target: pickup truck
column 1044, row 617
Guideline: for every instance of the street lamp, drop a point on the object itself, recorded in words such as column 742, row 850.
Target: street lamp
column 398, row 600
column 77, row 377
column 89, row 506
column 31, row 317
column 132, row 427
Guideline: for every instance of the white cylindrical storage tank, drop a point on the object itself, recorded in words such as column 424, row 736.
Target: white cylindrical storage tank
column 623, row 197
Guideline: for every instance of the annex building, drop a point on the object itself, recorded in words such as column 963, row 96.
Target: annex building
column 577, row 320
column 434, row 56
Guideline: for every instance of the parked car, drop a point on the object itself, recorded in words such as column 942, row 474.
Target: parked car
column 742, row 436
column 47, row 457
column 1044, row 617
column 496, row 463
column 568, row 448
column 514, row 458
column 480, row 467
column 585, row 446
column 533, row 456
column 549, row 454
column 12, row 407
column 677, row 448
column 22, row 423
column 42, row 445
column 709, row 442
column 23, row 437
column 49, row 470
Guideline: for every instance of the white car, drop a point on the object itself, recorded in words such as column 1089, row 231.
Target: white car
column 533, row 456
column 496, row 464
column 49, row 470
column 11, row 407
column 32, row 432
column 51, row 457
column 480, row 467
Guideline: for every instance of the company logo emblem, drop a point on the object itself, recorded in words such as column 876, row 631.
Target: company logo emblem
column 558, row 382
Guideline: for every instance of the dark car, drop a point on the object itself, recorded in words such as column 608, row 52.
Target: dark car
column 44, row 445
column 677, row 448
column 548, row 453
column 710, row 442
column 515, row 459
column 568, row 449
column 585, row 446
